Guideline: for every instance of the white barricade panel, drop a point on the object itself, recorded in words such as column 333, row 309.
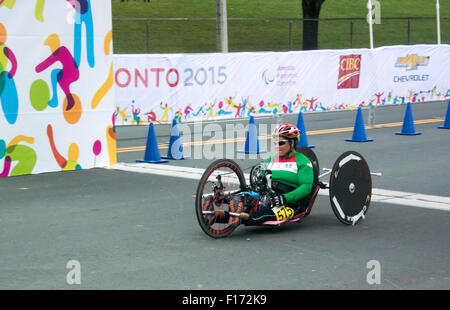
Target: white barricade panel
column 190, row 87
column 56, row 86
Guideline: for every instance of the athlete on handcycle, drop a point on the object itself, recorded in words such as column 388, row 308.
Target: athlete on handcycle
column 292, row 181
column 282, row 189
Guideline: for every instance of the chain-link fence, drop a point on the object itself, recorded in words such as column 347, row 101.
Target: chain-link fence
column 198, row 35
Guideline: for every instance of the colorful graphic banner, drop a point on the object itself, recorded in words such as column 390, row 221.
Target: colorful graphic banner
column 56, row 86
column 189, row 87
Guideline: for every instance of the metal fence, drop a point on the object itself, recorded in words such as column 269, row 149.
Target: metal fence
column 198, row 35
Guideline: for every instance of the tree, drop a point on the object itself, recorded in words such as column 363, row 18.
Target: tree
column 311, row 11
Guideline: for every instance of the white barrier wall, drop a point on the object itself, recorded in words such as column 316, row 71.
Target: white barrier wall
column 56, row 86
column 192, row 87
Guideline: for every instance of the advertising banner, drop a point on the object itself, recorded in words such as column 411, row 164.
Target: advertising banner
column 412, row 74
column 56, row 86
column 189, row 87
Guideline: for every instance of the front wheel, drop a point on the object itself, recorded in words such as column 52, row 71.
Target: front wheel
column 221, row 182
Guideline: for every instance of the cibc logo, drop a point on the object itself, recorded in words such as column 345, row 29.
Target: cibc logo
column 349, row 71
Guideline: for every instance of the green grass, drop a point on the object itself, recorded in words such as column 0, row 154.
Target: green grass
column 268, row 35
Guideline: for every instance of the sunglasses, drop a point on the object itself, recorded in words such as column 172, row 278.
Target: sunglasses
column 280, row 143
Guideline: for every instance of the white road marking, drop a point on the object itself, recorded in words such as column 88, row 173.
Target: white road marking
column 378, row 195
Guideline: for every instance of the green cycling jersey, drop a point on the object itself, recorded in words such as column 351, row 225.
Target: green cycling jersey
column 296, row 171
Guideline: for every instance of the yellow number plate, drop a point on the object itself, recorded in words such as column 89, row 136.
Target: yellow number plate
column 283, row 213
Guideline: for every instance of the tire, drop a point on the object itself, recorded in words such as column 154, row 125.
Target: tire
column 350, row 187
column 207, row 201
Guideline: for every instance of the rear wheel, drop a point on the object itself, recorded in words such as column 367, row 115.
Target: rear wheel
column 308, row 152
column 221, row 182
column 350, row 187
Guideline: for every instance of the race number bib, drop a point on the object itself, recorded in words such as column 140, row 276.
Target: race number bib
column 283, row 213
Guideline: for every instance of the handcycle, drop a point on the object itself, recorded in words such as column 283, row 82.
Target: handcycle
column 224, row 182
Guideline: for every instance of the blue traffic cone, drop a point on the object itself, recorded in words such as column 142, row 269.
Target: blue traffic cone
column 175, row 150
column 303, row 138
column 408, row 128
column 251, row 142
column 447, row 118
column 359, row 132
column 151, row 150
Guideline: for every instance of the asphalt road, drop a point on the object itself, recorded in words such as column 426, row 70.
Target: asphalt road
column 132, row 230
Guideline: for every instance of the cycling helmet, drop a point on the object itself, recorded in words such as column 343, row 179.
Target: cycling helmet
column 287, row 131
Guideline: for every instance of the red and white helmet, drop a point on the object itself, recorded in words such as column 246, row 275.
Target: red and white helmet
column 287, row 131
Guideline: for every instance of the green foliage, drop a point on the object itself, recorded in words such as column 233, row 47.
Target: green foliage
column 199, row 36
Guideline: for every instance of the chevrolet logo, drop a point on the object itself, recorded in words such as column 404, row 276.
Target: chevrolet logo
column 412, row 61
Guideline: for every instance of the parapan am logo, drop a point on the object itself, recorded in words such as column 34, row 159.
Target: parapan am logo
column 349, row 71
column 267, row 77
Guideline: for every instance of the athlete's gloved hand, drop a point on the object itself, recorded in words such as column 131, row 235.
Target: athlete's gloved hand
column 278, row 201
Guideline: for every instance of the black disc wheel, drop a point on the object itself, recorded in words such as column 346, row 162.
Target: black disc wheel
column 220, row 184
column 350, row 187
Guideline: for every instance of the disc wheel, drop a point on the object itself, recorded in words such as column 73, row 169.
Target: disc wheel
column 350, row 187
column 221, row 182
